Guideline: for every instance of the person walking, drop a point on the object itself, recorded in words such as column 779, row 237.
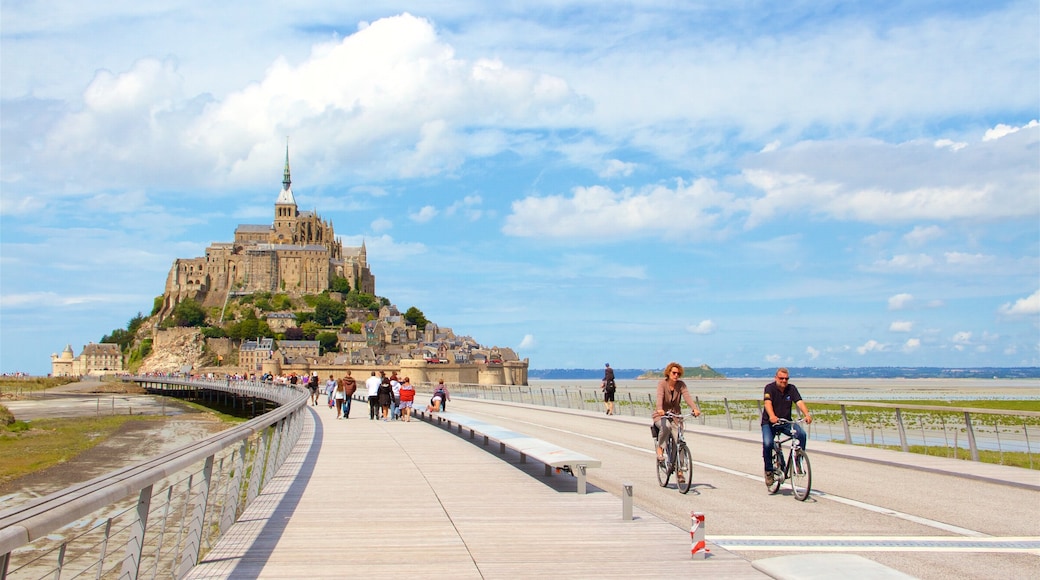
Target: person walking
column 395, row 397
column 330, row 389
column 312, row 384
column 349, row 388
column 337, row 396
column 777, row 400
column 372, row 384
column 407, row 399
column 609, row 388
column 385, row 394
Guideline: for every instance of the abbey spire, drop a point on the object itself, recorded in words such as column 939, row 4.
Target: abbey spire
column 286, row 195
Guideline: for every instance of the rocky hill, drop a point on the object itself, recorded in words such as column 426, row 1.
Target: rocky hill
column 174, row 349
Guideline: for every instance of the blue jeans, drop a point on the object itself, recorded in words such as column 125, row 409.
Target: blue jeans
column 346, row 407
column 769, row 432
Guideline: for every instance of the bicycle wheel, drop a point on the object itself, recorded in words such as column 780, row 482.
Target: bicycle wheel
column 801, row 475
column 664, row 468
column 684, row 468
column 778, row 473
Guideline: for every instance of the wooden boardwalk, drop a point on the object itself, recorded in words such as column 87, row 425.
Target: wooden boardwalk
column 368, row 499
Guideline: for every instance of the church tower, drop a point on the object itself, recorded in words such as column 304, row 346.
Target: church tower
column 285, row 210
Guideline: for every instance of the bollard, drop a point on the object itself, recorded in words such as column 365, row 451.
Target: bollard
column 697, row 548
column 626, row 503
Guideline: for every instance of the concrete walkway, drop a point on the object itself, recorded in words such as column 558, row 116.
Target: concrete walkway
column 365, row 499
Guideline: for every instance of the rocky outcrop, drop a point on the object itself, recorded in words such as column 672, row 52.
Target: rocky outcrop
column 174, row 349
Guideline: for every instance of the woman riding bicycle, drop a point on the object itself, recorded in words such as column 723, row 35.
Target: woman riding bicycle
column 670, row 392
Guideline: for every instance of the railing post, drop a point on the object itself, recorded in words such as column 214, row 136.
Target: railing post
column 104, row 549
column 971, row 437
column 902, row 431
column 845, row 425
column 259, row 459
column 135, row 544
column 190, row 556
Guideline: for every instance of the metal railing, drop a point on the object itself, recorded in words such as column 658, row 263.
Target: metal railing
column 953, row 431
column 156, row 518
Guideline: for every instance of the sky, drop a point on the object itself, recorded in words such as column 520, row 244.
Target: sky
column 806, row 183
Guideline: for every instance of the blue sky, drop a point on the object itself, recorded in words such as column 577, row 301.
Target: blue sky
column 738, row 184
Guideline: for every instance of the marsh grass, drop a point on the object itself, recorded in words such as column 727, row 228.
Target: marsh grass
column 13, row 385
column 26, row 447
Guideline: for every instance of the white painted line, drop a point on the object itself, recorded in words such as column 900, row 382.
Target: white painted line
column 1027, row 545
column 818, row 494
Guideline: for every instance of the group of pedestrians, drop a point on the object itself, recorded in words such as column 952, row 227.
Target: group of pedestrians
column 338, row 393
column 390, row 398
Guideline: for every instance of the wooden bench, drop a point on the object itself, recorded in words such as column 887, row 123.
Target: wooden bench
column 552, row 456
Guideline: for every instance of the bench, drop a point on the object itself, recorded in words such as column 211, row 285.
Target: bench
column 552, row 456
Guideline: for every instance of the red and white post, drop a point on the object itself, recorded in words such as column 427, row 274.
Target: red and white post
column 697, row 545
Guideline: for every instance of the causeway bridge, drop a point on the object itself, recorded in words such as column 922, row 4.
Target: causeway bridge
column 339, row 498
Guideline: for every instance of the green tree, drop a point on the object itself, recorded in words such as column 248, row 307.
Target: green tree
column 189, row 313
column 416, row 317
column 310, row 330
column 341, row 285
column 157, row 305
column 281, row 302
column 328, row 312
column 328, row 341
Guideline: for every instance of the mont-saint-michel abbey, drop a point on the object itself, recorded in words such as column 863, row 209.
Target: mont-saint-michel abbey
column 297, row 255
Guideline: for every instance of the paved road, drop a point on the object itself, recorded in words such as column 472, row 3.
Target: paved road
column 928, row 517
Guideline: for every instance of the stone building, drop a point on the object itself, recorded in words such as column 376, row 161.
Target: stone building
column 95, row 359
column 296, row 254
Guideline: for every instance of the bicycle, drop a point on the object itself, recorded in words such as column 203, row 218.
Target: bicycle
column 796, row 468
column 677, row 457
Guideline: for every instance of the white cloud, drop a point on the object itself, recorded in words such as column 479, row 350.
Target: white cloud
column 427, row 213
column 962, row 337
column 921, row 235
column 1003, row 130
column 963, row 259
column 528, row 342
column 773, row 358
column 901, row 326
column 911, row 345
column 381, row 225
column 617, row 168
column 599, row 212
column 470, row 207
column 1028, row 306
column 871, row 346
column 839, row 180
column 900, row 301
column 904, row 262
column 702, row 327
column 812, row 352
column 951, row 145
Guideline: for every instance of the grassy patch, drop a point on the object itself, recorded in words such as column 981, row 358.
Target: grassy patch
column 31, row 384
column 29, row 447
column 1012, row 458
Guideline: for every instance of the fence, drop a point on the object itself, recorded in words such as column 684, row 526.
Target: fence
column 156, row 518
column 953, row 431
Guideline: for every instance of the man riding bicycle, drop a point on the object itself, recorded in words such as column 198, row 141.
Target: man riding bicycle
column 777, row 401
column 670, row 392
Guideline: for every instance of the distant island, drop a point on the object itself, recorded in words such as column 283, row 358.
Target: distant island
column 698, row 371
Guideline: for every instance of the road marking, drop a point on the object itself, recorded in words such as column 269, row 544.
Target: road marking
column 817, row 494
column 1025, row 544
